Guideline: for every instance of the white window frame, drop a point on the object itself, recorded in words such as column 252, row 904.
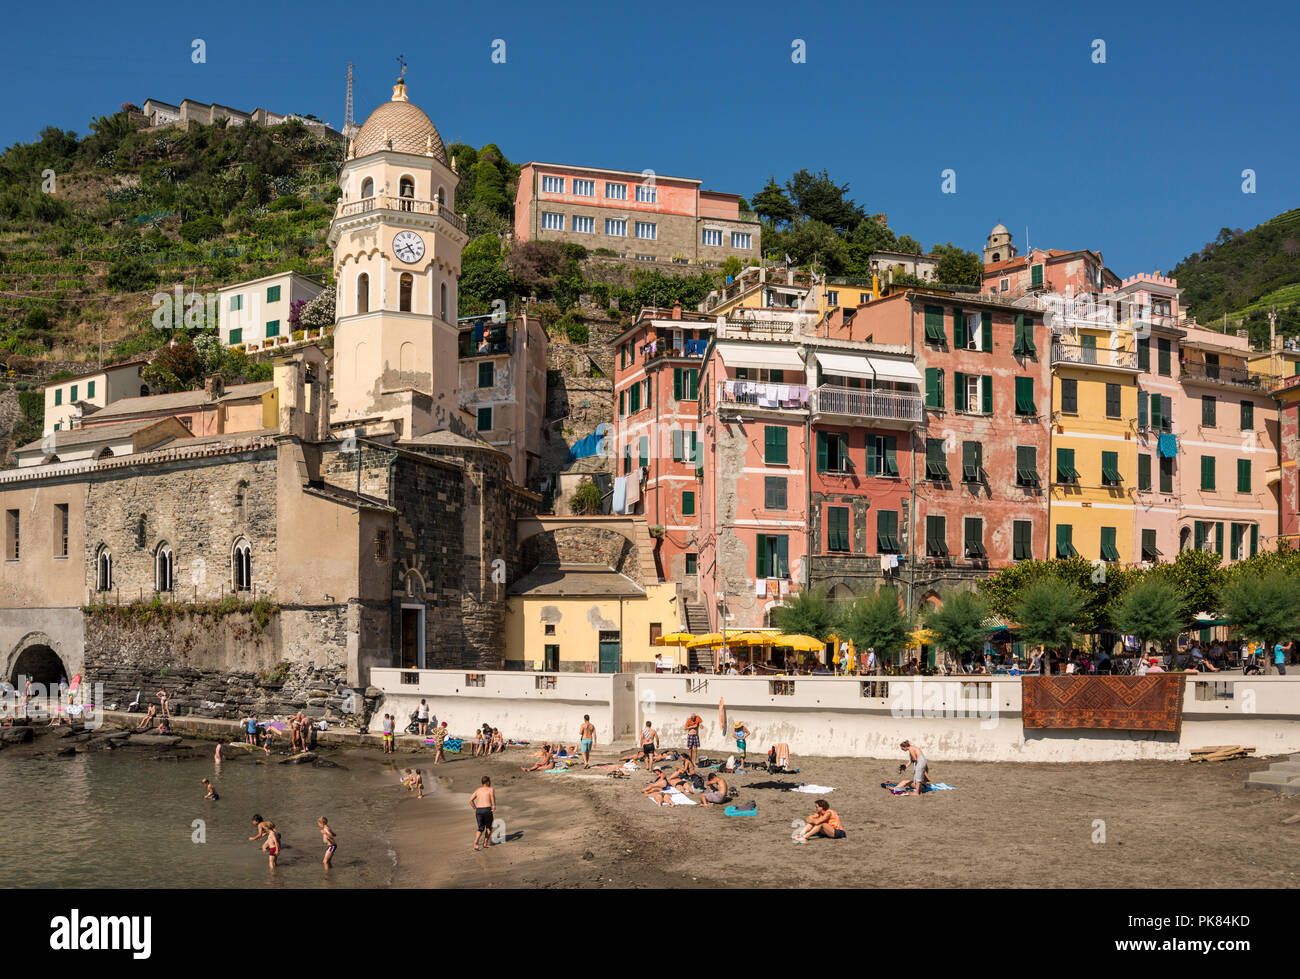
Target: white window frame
column 615, row 191
column 711, row 237
column 616, row 223
column 974, row 334
column 552, row 221
column 832, row 297
column 647, row 194
column 1004, row 285
column 650, row 226
column 973, row 404
column 552, row 184
column 742, row 240
column 583, row 224
column 584, row 188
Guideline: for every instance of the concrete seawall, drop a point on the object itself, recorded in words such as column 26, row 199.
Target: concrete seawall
column 954, row 718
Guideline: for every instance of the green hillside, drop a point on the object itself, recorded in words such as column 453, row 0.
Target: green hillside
column 1242, row 274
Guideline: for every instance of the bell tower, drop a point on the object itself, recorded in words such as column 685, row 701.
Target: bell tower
column 397, row 244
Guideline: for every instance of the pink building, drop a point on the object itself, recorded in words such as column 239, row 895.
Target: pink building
column 636, row 215
column 214, row 410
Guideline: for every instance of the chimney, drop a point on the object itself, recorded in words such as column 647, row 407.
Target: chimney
column 677, row 310
column 214, row 387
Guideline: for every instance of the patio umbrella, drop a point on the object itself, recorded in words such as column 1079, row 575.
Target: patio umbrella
column 802, row 643
column 678, row 639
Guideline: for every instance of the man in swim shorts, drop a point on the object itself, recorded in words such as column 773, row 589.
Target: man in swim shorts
column 329, row 839
column 439, row 738
column 388, row 734
column 715, row 790
column 484, row 804
column 586, row 738
column 693, row 736
column 649, row 744
column 919, row 776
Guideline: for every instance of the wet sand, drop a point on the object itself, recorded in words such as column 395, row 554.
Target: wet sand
column 1166, row 824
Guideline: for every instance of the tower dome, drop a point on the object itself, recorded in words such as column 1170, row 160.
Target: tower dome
column 400, row 126
column 999, row 229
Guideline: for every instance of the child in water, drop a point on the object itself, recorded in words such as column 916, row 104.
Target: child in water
column 329, row 839
column 212, row 792
column 272, row 844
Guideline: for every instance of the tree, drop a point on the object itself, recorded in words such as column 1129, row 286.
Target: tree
column 815, row 241
column 1200, row 581
column 130, row 274
column 177, row 367
column 1150, row 610
column 319, row 312
column 585, row 499
column 772, row 204
column 875, row 621
column 957, row 266
column 808, row 613
column 819, row 198
column 1047, row 612
column 908, row 244
column 958, row 623
column 1266, row 608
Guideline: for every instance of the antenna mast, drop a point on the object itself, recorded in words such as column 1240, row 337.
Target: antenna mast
column 349, row 124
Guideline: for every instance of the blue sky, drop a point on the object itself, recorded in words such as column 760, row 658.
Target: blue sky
column 1140, row 157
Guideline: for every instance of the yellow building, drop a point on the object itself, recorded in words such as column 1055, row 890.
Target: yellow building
column 1094, row 445
column 1279, row 363
column 587, row 618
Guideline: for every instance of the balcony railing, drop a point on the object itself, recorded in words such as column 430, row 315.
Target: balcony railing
column 660, row 349
column 858, row 403
column 1195, row 370
column 409, row 204
column 768, row 325
column 761, row 395
column 1077, row 353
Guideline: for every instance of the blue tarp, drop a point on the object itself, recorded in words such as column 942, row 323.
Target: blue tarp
column 1168, row 445
column 592, row 445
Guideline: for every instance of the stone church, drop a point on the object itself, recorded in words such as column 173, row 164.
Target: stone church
column 270, row 570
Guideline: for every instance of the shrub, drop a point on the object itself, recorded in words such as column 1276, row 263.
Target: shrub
column 286, row 202
column 200, row 229
column 585, row 499
column 131, row 274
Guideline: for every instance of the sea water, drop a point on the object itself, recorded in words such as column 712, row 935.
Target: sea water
column 126, row 819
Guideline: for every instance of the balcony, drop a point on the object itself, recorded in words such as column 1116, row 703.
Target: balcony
column 674, row 349
column 765, row 324
column 1197, row 372
column 754, row 394
column 407, row 204
column 493, row 341
column 876, row 406
column 1105, row 358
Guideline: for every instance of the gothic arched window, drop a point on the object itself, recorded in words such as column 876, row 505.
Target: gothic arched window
column 104, row 570
column 162, row 563
column 242, row 560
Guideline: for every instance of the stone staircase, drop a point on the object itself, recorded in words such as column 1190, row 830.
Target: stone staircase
column 697, row 622
column 1282, row 777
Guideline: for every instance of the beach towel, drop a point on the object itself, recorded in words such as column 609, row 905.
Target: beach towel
column 931, row 787
column 678, row 798
column 737, row 811
column 555, row 771
column 814, row 789
column 782, row 755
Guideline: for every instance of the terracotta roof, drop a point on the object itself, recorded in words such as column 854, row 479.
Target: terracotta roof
column 180, row 399
column 102, row 370
column 89, row 436
column 575, row 581
column 401, row 127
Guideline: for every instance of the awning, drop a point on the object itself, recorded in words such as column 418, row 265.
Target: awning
column 902, row 371
column 846, row 365
column 760, row 356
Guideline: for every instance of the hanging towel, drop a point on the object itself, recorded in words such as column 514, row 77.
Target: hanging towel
column 884, row 562
column 760, row 588
column 619, row 504
column 1168, row 445
column 633, row 492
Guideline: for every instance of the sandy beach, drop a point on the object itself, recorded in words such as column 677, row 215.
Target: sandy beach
column 1166, row 824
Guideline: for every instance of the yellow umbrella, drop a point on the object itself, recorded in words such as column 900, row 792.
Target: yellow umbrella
column 749, row 639
column 710, row 639
column 675, row 639
column 921, row 637
column 805, row 644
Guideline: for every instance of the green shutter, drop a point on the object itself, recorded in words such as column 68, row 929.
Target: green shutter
column 1110, row 469
column 871, row 455
column 693, row 384
column 1254, row 539
column 643, row 450
column 823, row 452
column 1156, row 420
column 973, row 537
column 90, row 389
column 936, row 466
column 986, row 393
column 1198, row 535
column 1144, row 471
column 273, row 294
column 1069, row 395
column 272, row 328
column 959, row 391
column 688, row 503
column 621, row 402
column 774, row 445
column 986, row 332
column 1208, row 414
column 1065, row 471
column 934, row 324
column 1243, row 475
column 677, row 446
column 1247, row 415
column 1064, row 540
column 634, row 397
column 1163, row 348
column 1166, row 475
column 1036, row 275
column 760, row 556
column 1109, row 552
column 1207, row 472
column 933, row 392
column 1218, row 538
column 1144, row 354
column 677, row 384
column 958, row 330
column 887, row 531
column 236, row 337
column 1025, row 396
column 891, row 455
column 1149, row 551
column 1143, row 399
column 970, row 462
column 1022, row 537
column 1237, row 532
column 1027, row 465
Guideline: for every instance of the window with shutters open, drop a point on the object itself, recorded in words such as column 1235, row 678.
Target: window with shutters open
column 934, row 325
column 1065, row 471
column 1065, row 541
column 934, row 387
column 1149, row 550
column 972, row 462
column 1109, row 552
column 1110, row 469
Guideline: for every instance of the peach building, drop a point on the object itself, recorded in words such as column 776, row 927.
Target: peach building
column 214, row 410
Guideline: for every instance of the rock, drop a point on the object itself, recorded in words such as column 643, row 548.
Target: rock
column 155, row 740
column 16, row 735
column 66, row 752
column 299, row 759
column 326, row 763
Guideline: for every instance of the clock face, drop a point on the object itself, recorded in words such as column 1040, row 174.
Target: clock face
column 408, row 246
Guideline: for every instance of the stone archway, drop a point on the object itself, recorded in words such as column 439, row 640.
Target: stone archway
column 41, row 663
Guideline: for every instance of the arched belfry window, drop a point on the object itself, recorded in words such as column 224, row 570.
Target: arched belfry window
column 442, row 197
column 242, row 560
column 367, row 192
column 163, row 580
column 363, row 293
column 104, row 570
column 407, row 285
column 406, row 191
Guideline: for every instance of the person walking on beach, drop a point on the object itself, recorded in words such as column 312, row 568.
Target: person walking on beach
column 388, row 734
column 272, row 844
column 439, row 738
column 649, row 745
column 693, row 737
column 586, row 739
column 484, row 804
column 422, row 717
column 329, row 839
column 919, row 764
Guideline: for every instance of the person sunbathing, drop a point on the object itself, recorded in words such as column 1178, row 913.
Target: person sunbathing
column 148, row 718
column 545, row 762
